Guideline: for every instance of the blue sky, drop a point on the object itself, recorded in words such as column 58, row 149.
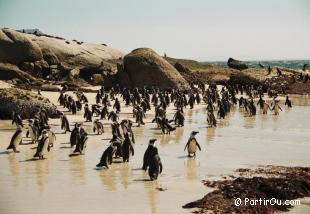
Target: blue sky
column 198, row 29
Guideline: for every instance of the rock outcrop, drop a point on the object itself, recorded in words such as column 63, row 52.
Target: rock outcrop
column 145, row 67
column 25, row 102
column 193, row 71
column 236, row 64
column 53, row 58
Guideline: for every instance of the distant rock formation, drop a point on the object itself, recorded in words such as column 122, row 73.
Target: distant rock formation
column 25, row 102
column 145, row 67
column 236, row 64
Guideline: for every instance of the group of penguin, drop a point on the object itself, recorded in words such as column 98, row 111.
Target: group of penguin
column 122, row 144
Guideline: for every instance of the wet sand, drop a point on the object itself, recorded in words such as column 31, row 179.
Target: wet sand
column 73, row 185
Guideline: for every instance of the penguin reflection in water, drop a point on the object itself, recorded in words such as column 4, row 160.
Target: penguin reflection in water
column 192, row 145
column 43, row 146
column 152, row 161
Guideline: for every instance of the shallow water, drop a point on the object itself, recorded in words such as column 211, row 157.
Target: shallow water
column 61, row 184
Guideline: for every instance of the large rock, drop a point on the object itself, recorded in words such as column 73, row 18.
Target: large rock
column 16, row 48
column 236, row 64
column 146, row 68
column 13, row 99
column 36, row 53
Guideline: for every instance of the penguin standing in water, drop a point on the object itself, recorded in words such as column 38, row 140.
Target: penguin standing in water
column 33, row 132
column 51, row 136
column 127, row 148
column 151, row 160
column 76, row 134
column 64, row 123
column 288, row 102
column 81, row 145
column 211, row 119
column 265, row 107
column 179, row 118
column 107, row 156
column 98, row 126
column 16, row 139
column 276, row 107
column 43, row 146
column 192, row 145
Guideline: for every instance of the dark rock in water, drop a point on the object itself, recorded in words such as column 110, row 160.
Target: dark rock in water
column 146, row 68
column 236, row 64
column 25, row 102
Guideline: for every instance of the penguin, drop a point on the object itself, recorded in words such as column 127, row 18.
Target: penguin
column 113, row 116
column 288, row 102
column 64, row 123
column 127, row 148
column 106, row 158
column 211, row 119
column 155, row 167
column 179, row 118
column 43, row 146
column 126, row 126
column 118, row 143
column 76, row 134
column 98, row 126
column 81, row 145
column 16, row 139
column 117, row 106
column 265, row 107
column 115, row 129
column 32, row 131
column 149, row 153
column 276, row 107
column 16, row 118
column 192, row 145
column 51, row 136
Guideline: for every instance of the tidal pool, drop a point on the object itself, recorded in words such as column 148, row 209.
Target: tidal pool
column 63, row 184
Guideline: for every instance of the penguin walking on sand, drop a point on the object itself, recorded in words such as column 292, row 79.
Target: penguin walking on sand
column 16, row 139
column 107, row 156
column 192, row 145
column 43, row 146
column 151, row 161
